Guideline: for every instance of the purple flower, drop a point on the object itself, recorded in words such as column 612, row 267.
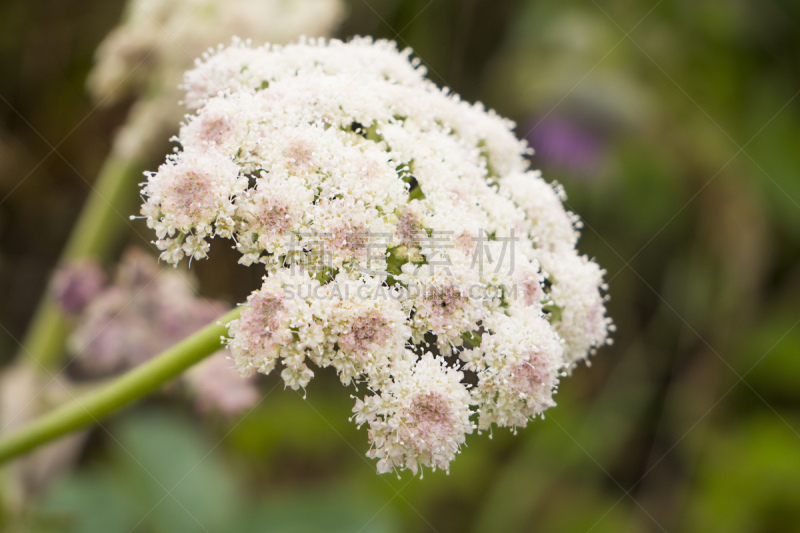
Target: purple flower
column 145, row 311
column 75, row 284
column 573, row 144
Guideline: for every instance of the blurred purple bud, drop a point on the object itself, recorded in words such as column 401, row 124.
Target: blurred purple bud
column 113, row 333
column 75, row 284
column 145, row 311
column 573, row 145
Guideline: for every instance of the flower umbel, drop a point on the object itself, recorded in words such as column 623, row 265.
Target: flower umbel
column 406, row 242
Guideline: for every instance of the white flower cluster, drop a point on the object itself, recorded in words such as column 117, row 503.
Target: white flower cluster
column 405, row 239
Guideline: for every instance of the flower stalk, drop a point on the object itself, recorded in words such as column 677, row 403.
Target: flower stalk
column 99, row 222
column 139, row 382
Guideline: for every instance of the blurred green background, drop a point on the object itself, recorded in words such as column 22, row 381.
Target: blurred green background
column 674, row 127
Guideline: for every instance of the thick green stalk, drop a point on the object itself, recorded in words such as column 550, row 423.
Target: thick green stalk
column 107, row 209
column 135, row 384
column 100, row 221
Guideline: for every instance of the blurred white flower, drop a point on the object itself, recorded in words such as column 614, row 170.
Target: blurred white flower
column 26, row 393
column 159, row 39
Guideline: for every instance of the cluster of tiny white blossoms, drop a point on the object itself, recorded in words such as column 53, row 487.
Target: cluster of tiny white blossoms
column 407, row 244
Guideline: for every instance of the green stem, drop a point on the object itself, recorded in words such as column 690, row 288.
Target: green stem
column 99, row 223
column 107, row 208
column 135, row 384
